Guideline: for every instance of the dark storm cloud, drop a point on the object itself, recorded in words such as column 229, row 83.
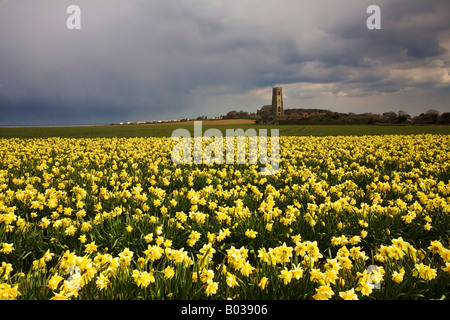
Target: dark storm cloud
column 396, row 59
column 409, row 27
column 142, row 60
column 409, row 30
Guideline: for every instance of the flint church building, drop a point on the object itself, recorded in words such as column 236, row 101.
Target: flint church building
column 276, row 108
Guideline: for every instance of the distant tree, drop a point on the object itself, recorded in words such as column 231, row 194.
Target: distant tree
column 429, row 117
column 231, row 114
column 402, row 117
column 403, row 114
column 390, row 116
column 432, row 115
column 242, row 114
column 445, row 118
column 334, row 115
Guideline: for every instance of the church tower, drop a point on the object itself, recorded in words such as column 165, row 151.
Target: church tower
column 277, row 102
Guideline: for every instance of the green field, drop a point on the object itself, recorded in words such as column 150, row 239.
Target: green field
column 165, row 130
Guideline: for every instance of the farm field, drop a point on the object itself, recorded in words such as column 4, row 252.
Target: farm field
column 165, row 130
column 354, row 212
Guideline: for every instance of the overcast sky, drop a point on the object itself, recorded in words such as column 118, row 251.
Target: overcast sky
column 138, row 60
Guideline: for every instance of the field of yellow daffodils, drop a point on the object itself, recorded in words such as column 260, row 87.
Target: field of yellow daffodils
column 114, row 218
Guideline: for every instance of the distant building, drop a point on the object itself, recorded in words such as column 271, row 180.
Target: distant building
column 276, row 108
column 265, row 110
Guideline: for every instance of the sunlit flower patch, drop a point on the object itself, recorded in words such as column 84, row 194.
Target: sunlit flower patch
column 114, row 218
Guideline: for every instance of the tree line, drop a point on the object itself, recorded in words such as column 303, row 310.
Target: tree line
column 322, row 116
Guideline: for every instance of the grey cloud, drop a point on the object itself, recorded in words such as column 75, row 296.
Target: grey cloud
column 141, row 60
column 408, row 27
